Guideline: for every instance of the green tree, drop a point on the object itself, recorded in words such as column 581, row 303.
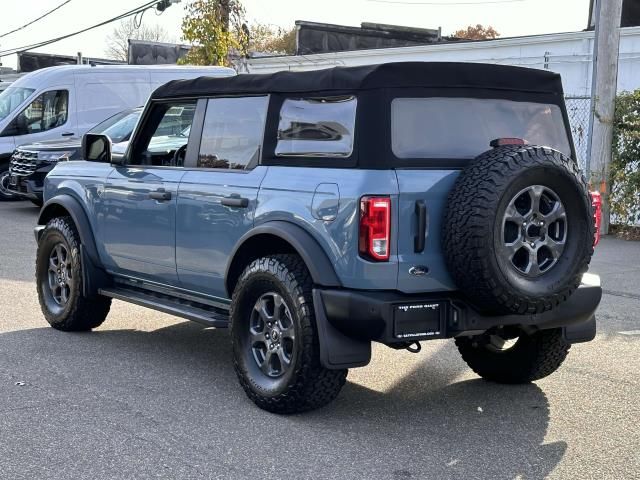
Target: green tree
column 215, row 28
column 625, row 162
column 477, row 32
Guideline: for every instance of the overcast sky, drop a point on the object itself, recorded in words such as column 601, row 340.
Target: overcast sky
column 512, row 18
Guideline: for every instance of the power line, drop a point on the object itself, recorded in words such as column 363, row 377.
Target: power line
column 36, row 20
column 63, row 37
column 446, row 4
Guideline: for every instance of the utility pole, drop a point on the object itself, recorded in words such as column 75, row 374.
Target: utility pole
column 605, row 57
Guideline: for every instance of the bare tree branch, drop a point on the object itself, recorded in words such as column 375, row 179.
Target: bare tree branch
column 118, row 40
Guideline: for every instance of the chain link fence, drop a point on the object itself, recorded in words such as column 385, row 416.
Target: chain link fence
column 579, row 109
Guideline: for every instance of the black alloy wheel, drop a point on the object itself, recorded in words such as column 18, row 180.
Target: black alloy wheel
column 60, row 277
column 534, row 228
column 272, row 334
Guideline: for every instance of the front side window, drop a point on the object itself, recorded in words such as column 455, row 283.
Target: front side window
column 463, row 127
column 11, row 98
column 317, row 127
column 47, row 111
column 232, row 133
column 164, row 141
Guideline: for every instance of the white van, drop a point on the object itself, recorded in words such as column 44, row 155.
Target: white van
column 67, row 101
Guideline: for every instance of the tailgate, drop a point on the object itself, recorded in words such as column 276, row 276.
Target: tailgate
column 422, row 269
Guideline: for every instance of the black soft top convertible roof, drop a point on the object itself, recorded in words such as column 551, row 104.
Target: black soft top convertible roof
column 387, row 75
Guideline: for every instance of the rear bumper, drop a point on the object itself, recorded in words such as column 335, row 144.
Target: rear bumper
column 395, row 318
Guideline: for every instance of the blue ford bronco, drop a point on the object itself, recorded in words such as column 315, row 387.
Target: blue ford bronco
column 316, row 212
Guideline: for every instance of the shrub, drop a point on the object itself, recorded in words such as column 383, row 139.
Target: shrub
column 625, row 162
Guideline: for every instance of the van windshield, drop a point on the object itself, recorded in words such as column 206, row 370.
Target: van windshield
column 120, row 126
column 12, row 98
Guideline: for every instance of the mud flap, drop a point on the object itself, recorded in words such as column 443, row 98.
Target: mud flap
column 581, row 332
column 93, row 278
column 337, row 351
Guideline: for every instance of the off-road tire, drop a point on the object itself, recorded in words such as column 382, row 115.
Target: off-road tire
column 473, row 222
column 78, row 313
column 531, row 358
column 306, row 385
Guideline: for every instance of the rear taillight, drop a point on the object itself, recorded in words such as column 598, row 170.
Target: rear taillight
column 596, row 201
column 375, row 228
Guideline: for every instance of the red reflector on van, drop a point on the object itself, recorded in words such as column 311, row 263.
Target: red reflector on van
column 499, row 142
column 596, row 201
column 375, row 228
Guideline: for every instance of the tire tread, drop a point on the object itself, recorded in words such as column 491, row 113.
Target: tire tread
column 540, row 355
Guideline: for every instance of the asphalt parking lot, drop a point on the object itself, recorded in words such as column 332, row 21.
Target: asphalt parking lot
column 151, row 396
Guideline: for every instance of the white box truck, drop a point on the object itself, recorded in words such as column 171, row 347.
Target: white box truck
column 67, row 101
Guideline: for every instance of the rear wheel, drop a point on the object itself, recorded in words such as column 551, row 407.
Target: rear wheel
column 275, row 340
column 59, row 280
column 516, row 357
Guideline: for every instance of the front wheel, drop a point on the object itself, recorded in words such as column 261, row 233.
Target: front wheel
column 512, row 358
column 59, row 280
column 275, row 340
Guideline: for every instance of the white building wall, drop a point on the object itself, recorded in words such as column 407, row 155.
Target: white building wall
column 566, row 53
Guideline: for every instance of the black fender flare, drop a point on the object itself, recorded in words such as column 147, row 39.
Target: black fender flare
column 77, row 213
column 315, row 258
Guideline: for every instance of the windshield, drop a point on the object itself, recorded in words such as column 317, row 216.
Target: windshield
column 12, row 98
column 119, row 127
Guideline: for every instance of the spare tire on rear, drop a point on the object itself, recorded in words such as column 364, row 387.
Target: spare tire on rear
column 518, row 231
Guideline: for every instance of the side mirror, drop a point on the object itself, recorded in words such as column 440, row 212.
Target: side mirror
column 96, row 148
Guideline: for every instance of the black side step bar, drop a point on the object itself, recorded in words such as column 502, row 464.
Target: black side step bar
column 204, row 314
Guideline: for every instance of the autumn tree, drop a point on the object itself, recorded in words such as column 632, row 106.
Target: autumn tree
column 117, row 42
column 265, row 38
column 215, row 28
column 477, row 32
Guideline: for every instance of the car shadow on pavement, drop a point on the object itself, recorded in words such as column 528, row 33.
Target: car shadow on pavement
column 177, row 383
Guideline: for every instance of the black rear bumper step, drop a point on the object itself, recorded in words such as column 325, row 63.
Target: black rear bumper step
column 390, row 317
column 204, row 314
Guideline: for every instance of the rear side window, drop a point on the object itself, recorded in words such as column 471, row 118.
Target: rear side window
column 463, row 127
column 232, row 133
column 317, row 127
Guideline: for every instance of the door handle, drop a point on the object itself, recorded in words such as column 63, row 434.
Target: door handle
column 67, row 134
column 235, row 201
column 160, row 195
column 421, row 233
